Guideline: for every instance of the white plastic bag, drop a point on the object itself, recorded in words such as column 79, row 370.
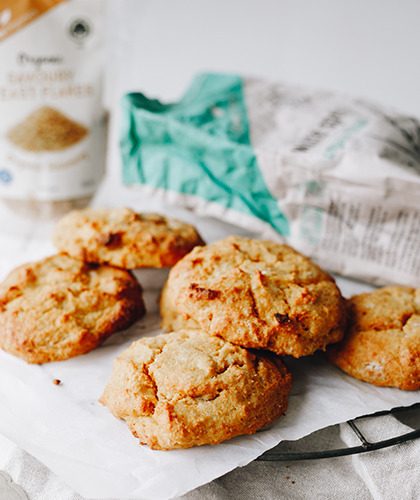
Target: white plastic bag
column 336, row 178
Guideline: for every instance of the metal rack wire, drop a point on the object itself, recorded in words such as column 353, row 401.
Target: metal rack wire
column 364, row 447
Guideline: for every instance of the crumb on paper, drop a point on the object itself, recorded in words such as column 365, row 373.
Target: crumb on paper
column 56, row 381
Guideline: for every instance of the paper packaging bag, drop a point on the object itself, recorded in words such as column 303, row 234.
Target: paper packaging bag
column 335, row 177
column 52, row 123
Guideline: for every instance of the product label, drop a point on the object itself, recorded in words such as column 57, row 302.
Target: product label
column 52, row 127
column 355, row 232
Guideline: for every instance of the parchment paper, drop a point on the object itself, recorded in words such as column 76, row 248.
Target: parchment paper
column 74, row 435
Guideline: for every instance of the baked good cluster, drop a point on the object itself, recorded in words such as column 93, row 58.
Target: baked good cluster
column 230, row 311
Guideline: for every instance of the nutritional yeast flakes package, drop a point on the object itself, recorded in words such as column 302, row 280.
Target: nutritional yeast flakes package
column 52, row 124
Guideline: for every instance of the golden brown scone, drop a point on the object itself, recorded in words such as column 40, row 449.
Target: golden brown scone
column 60, row 307
column 186, row 389
column 256, row 294
column 123, row 238
column 382, row 345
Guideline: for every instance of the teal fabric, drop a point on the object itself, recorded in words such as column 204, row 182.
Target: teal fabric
column 198, row 146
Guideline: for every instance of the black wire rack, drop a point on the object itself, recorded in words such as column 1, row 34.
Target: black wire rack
column 365, row 445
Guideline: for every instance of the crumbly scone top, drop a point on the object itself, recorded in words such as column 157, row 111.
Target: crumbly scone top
column 61, row 303
column 257, row 294
column 124, row 238
column 382, row 345
column 185, row 389
column 386, row 308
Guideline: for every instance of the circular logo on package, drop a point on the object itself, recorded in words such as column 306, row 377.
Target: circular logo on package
column 79, row 30
column 5, row 176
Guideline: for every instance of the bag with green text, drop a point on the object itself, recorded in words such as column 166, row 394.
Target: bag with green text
column 335, row 177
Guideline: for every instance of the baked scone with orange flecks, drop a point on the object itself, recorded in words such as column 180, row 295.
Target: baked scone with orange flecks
column 256, row 294
column 186, row 389
column 124, row 238
column 382, row 345
column 61, row 307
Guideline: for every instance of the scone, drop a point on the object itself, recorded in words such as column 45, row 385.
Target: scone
column 185, row 389
column 60, row 307
column 123, row 238
column 256, row 294
column 382, row 345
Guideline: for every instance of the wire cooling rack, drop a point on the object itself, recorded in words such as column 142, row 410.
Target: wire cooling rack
column 364, row 446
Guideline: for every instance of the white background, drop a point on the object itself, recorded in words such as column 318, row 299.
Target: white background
column 366, row 48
